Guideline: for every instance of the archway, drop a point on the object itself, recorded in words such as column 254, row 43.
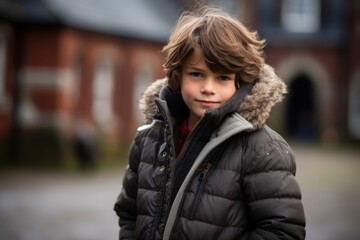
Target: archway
column 301, row 112
column 302, row 64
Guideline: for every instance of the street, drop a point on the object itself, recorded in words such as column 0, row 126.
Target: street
column 68, row 206
column 73, row 206
column 331, row 193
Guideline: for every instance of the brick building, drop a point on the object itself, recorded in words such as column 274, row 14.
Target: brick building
column 69, row 63
column 313, row 46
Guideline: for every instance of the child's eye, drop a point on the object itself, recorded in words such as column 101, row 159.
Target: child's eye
column 195, row 74
column 224, row 78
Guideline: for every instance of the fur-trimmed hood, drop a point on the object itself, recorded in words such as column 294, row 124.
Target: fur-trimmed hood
column 256, row 107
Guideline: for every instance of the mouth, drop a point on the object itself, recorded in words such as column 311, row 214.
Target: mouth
column 207, row 103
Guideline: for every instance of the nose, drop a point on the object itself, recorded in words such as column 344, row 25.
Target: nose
column 208, row 86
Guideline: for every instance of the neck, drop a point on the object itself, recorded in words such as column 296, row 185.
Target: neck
column 192, row 121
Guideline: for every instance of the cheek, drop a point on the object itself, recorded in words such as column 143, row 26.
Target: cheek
column 185, row 92
column 186, row 89
column 229, row 91
column 232, row 92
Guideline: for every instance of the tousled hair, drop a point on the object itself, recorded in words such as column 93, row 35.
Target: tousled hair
column 226, row 44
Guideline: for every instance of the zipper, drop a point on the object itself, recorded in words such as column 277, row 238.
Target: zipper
column 202, row 177
column 162, row 192
column 171, row 148
column 199, row 190
column 157, row 217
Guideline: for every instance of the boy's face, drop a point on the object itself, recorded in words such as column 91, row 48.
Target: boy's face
column 203, row 89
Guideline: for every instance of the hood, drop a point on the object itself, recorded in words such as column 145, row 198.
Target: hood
column 256, row 107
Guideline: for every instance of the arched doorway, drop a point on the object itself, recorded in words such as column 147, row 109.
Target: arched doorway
column 301, row 120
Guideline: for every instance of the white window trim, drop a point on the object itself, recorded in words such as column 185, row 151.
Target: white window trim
column 306, row 21
column 102, row 92
column 45, row 79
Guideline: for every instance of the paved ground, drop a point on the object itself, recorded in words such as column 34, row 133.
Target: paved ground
column 70, row 206
column 330, row 183
column 44, row 206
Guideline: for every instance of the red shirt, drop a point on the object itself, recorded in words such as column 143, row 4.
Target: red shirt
column 183, row 133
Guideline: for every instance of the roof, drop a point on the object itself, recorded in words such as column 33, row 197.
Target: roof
column 141, row 19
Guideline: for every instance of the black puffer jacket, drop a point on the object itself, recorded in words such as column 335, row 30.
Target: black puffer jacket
column 241, row 184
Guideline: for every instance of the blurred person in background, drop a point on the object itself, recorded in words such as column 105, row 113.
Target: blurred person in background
column 206, row 166
column 85, row 146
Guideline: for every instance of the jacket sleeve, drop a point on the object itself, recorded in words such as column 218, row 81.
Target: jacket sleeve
column 125, row 205
column 272, row 192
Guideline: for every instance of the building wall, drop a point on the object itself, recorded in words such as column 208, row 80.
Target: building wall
column 324, row 68
column 62, row 73
column 353, row 97
column 5, row 74
column 50, row 74
column 328, row 57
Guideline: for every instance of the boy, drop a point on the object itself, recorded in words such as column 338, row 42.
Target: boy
column 206, row 166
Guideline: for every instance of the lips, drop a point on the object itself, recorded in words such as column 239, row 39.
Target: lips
column 207, row 103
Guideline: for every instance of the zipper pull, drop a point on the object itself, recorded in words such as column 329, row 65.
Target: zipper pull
column 204, row 172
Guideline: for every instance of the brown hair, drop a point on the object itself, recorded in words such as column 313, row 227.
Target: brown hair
column 226, row 44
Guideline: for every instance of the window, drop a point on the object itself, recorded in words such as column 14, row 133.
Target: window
column 233, row 7
column 302, row 16
column 103, row 92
